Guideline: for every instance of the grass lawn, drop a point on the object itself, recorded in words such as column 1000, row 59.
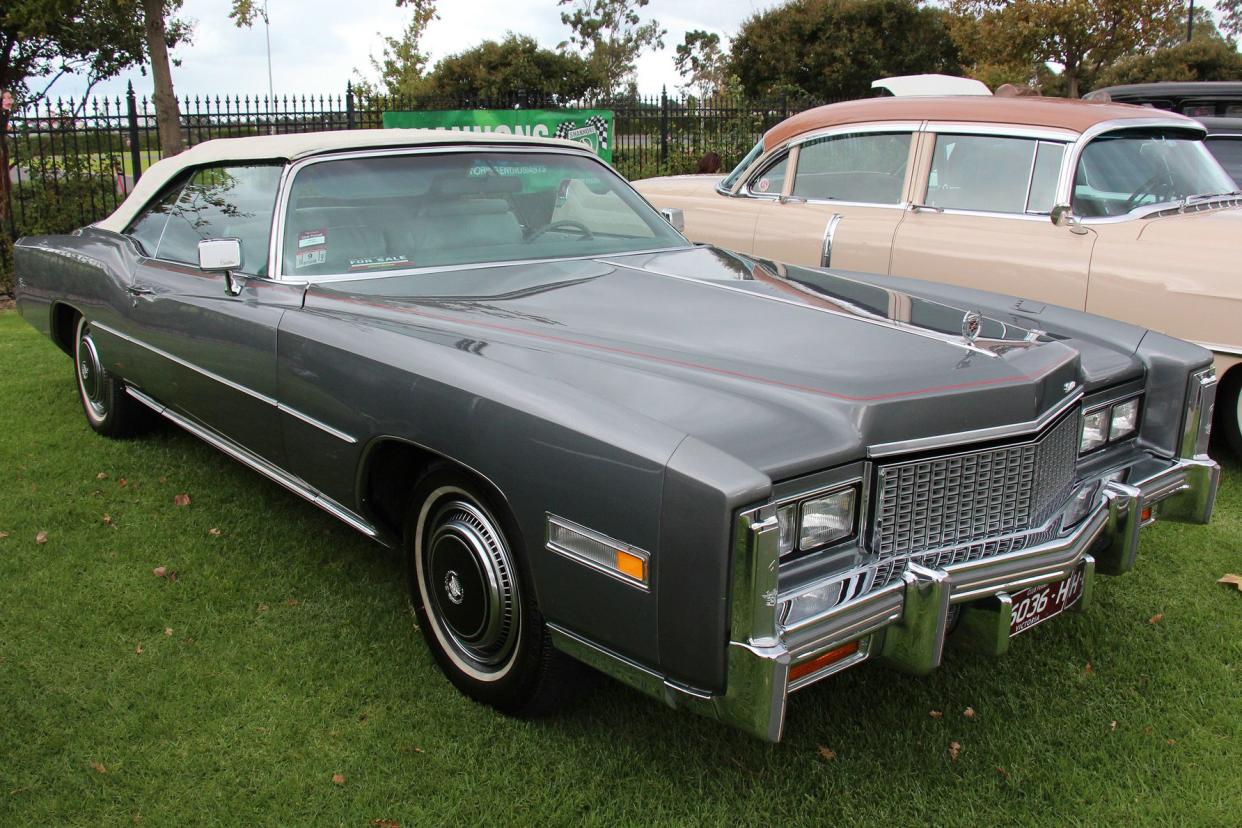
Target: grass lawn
column 284, row 654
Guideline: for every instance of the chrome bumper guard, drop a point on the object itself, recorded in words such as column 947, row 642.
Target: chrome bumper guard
column 904, row 624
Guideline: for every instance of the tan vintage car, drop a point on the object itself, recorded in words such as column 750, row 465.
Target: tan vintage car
column 1115, row 209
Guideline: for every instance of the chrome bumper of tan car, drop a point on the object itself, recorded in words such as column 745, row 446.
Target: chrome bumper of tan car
column 904, row 623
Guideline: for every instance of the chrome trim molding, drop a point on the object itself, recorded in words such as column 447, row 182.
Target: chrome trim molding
column 1229, row 350
column 279, row 406
column 963, row 438
column 1200, row 405
column 830, row 232
column 253, row 461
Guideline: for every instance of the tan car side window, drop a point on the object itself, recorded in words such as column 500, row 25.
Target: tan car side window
column 994, row 174
column 770, row 182
column 867, row 167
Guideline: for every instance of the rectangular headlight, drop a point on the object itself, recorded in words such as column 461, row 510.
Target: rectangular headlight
column 1124, row 421
column 826, row 519
column 1094, row 430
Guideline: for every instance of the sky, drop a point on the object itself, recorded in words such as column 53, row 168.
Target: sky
column 318, row 44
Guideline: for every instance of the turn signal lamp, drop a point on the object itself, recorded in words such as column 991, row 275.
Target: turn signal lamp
column 821, row 661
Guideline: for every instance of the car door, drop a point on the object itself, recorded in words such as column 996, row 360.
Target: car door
column 980, row 216
column 209, row 354
column 844, row 199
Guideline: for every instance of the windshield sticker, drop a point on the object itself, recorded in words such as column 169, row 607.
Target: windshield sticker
column 312, row 248
column 376, row 262
column 503, row 168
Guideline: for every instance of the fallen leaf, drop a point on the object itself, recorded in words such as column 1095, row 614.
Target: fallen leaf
column 1088, row 670
column 969, row 712
column 214, row 532
column 168, row 631
column 160, row 571
column 101, row 476
column 182, row 499
column 138, row 650
column 338, row 779
column 1171, row 741
column 172, row 576
column 98, row 767
column 827, row 754
column 41, row 538
column 935, row 714
column 291, row 602
column 418, row 750
column 163, row 479
column 263, row 607
column 955, row 748
column 122, row 482
column 1231, row 579
column 1004, row 773
column 3, row 535
column 385, row 823
column 107, row 519
column 1156, row 619
column 1112, row 725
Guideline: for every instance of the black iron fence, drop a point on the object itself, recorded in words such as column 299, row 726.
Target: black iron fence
column 71, row 162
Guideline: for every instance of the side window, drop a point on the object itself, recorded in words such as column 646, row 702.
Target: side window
column 992, row 173
column 148, row 228
column 771, row 181
column 1048, row 158
column 865, row 167
column 223, row 202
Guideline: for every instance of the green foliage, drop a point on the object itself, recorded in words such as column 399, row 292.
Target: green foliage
column 1230, row 16
column 1202, row 59
column 403, row 63
column 514, row 66
column 1084, row 36
column 835, row 48
column 611, row 34
column 701, row 61
column 60, row 193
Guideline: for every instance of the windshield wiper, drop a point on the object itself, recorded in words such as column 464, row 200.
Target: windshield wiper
column 1202, row 197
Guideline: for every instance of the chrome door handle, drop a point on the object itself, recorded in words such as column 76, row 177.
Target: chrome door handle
column 139, row 290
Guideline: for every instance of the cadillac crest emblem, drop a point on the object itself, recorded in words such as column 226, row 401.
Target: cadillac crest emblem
column 972, row 324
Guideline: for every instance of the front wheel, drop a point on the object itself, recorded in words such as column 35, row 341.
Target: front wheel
column 472, row 594
column 1228, row 421
column 108, row 409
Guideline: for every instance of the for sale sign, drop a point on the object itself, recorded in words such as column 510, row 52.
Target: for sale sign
column 592, row 127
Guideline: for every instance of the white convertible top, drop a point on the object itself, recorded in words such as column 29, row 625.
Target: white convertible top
column 904, row 86
column 289, row 147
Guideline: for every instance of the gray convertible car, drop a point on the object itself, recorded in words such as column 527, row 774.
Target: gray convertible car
column 715, row 478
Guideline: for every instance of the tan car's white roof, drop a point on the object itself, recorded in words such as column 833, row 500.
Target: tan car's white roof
column 289, row 147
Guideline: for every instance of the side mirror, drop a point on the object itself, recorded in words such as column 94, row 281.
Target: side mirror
column 1063, row 216
column 222, row 256
column 675, row 217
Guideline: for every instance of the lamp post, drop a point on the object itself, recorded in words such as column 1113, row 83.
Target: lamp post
column 267, row 33
column 1190, row 22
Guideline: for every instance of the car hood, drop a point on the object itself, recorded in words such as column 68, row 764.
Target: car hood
column 788, row 369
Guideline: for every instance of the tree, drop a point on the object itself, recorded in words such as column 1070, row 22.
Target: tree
column 403, row 63
column 1084, row 36
column 1230, row 17
column 836, row 48
column 514, row 66
column 700, row 60
column 155, row 20
column 43, row 40
column 1202, row 59
column 611, row 35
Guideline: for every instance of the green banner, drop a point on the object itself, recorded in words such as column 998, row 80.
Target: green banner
column 592, row 127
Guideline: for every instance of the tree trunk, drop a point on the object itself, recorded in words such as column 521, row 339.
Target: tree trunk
column 167, row 112
column 6, row 196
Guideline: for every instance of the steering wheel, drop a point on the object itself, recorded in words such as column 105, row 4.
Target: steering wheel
column 1157, row 185
column 565, row 224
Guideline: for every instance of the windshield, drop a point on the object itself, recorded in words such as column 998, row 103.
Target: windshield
column 1134, row 168
column 731, row 179
column 396, row 212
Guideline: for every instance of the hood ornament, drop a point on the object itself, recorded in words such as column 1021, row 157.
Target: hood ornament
column 972, row 324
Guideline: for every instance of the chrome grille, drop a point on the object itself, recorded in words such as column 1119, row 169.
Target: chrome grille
column 958, row 507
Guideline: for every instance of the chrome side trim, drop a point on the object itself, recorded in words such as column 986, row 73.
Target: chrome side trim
column 293, row 412
column 977, row 436
column 253, row 461
column 1230, row 350
column 623, row 669
column 830, row 232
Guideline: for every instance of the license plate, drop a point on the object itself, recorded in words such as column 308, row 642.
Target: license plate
column 1036, row 605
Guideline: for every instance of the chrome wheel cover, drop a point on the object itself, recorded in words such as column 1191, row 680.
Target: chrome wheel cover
column 468, row 584
column 92, row 380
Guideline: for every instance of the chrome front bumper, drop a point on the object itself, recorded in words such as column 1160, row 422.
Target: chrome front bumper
column 904, row 623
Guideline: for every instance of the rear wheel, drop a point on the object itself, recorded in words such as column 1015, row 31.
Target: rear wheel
column 109, row 411
column 1228, row 422
column 471, row 591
